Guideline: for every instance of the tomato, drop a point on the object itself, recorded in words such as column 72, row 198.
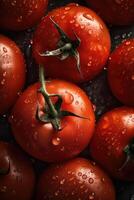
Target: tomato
column 17, row 177
column 121, row 72
column 82, row 39
column 21, row 14
column 112, row 143
column 117, row 12
column 44, row 141
column 12, row 73
column 75, row 179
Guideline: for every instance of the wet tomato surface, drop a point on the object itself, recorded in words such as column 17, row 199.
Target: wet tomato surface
column 112, row 144
column 42, row 140
column 17, row 178
column 121, row 72
column 12, row 73
column 21, row 14
column 75, row 179
column 87, row 41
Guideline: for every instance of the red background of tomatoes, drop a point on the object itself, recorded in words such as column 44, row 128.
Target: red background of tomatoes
column 97, row 89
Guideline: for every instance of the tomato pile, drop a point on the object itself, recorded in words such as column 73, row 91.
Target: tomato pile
column 66, row 100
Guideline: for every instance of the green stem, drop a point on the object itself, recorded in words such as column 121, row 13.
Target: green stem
column 43, row 91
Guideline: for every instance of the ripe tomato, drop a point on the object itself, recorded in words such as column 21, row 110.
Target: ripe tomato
column 75, row 179
column 117, row 12
column 12, row 73
column 112, row 144
column 121, row 72
column 21, row 14
column 41, row 140
column 17, row 177
column 85, row 38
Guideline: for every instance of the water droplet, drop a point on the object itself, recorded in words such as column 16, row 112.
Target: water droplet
column 79, row 174
column 103, row 180
column 91, row 196
column 62, row 181
column 72, row 21
column 118, row 1
column 67, row 8
column 77, row 102
column 84, row 176
column 68, row 98
column 3, row 189
column 26, row 101
column 132, row 77
column 62, row 148
column 123, row 131
column 35, row 136
column 4, row 49
column 56, row 193
column 87, row 16
column 56, row 141
column 3, row 82
column 90, row 180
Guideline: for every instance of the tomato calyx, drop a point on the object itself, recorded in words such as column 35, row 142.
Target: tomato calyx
column 129, row 151
column 52, row 113
column 5, row 170
column 65, row 47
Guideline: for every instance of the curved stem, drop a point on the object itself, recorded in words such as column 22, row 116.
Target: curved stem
column 51, row 107
column 58, row 51
column 44, row 92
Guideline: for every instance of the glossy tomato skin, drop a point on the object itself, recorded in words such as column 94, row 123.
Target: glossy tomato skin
column 121, row 72
column 19, row 182
column 94, row 47
column 75, row 179
column 41, row 140
column 114, row 132
column 12, row 73
column 21, row 14
column 117, row 12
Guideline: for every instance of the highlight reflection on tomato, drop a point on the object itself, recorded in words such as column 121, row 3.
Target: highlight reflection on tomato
column 12, row 73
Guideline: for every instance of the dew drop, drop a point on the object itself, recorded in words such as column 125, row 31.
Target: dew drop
column 35, row 136
column 68, row 98
column 56, row 141
column 132, row 77
column 84, row 176
column 87, row 16
column 91, row 196
column 62, row 181
column 67, row 8
column 4, row 49
column 79, row 174
column 90, row 180
column 3, row 189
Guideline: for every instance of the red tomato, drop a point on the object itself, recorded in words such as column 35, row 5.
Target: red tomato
column 121, row 72
column 75, row 179
column 17, row 177
column 41, row 140
column 87, row 38
column 12, row 73
column 117, row 12
column 112, row 144
column 21, row 14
